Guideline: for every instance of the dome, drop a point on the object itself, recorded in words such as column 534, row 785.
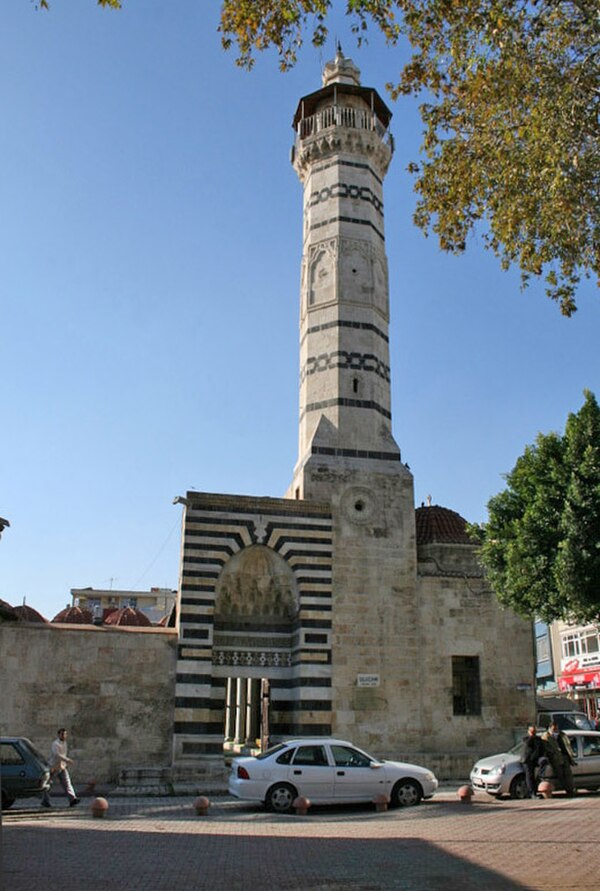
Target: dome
column 73, row 615
column 128, row 616
column 29, row 614
column 7, row 612
column 439, row 525
column 168, row 620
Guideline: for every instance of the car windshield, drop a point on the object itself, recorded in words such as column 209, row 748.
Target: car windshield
column 516, row 750
column 577, row 721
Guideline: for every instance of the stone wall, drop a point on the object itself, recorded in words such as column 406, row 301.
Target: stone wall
column 113, row 688
column 459, row 615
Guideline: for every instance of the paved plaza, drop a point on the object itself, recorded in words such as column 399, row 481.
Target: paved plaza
column 160, row 843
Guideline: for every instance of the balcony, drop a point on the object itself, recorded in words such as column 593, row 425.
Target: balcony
column 343, row 116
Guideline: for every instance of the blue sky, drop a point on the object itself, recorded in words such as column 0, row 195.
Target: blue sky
column 150, row 233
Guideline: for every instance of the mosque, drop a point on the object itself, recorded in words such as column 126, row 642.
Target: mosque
column 338, row 609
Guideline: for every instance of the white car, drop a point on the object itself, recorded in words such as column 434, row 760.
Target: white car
column 503, row 774
column 326, row 771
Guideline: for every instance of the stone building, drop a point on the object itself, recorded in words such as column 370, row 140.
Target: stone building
column 361, row 617
column 337, row 609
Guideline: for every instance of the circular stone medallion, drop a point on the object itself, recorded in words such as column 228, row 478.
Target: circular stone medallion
column 359, row 505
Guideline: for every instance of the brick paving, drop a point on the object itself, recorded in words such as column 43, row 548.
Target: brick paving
column 160, row 843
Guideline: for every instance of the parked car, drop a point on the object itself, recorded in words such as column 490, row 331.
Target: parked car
column 326, row 771
column 503, row 774
column 565, row 720
column 23, row 771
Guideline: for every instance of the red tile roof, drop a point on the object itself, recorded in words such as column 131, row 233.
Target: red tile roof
column 128, row 616
column 74, row 615
column 29, row 614
column 440, row 525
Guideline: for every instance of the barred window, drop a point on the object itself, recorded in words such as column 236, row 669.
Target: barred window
column 466, row 687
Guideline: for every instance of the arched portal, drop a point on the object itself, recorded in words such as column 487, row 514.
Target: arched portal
column 254, row 605
column 256, row 611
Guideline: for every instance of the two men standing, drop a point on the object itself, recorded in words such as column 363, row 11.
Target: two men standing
column 552, row 748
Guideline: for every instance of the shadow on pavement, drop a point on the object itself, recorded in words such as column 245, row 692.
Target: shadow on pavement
column 72, row 858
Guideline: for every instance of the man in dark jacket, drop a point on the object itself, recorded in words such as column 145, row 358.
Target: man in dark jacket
column 532, row 758
column 557, row 748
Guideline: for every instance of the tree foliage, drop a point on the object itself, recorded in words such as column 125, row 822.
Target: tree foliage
column 541, row 544
column 511, row 100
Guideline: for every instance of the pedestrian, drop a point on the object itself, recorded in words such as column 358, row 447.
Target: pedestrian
column 59, row 761
column 532, row 758
column 560, row 755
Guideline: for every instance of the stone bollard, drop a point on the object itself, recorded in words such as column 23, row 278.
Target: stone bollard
column 546, row 789
column 301, row 805
column 99, row 807
column 465, row 794
column 381, row 802
column 201, row 806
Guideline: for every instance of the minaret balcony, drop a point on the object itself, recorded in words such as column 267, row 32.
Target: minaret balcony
column 344, row 116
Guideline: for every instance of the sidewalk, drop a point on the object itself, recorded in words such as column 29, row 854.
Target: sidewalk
column 160, row 843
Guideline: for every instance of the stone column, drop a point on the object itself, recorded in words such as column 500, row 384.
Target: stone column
column 240, row 710
column 229, row 710
column 250, row 707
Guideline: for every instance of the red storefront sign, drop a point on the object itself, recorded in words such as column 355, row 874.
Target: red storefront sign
column 578, row 678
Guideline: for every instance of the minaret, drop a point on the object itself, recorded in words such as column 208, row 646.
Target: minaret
column 341, row 154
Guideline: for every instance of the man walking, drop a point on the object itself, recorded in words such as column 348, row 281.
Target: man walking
column 59, row 761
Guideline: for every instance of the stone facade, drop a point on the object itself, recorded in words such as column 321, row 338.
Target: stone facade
column 112, row 687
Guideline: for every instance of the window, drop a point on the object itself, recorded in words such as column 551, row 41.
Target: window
column 591, row 746
column 310, row 756
column 286, row 757
column 344, row 756
column 466, row 688
column 581, row 643
column 9, row 755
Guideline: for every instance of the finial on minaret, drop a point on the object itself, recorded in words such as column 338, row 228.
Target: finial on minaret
column 341, row 70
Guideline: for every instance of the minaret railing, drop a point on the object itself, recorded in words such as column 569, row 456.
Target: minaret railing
column 343, row 116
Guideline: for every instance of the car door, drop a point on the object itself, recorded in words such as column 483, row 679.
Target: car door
column 586, row 773
column 311, row 773
column 13, row 768
column 357, row 777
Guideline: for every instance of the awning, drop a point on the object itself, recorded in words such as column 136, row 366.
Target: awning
column 579, row 679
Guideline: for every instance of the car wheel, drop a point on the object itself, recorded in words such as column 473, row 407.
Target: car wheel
column 518, row 787
column 7, row 800
column 406, row 793
column 280, row 798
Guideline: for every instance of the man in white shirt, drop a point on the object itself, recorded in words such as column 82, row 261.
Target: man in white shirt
column 59, row 761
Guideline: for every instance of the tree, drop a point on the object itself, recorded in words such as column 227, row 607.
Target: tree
column 510, row 117
column 541, row 544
